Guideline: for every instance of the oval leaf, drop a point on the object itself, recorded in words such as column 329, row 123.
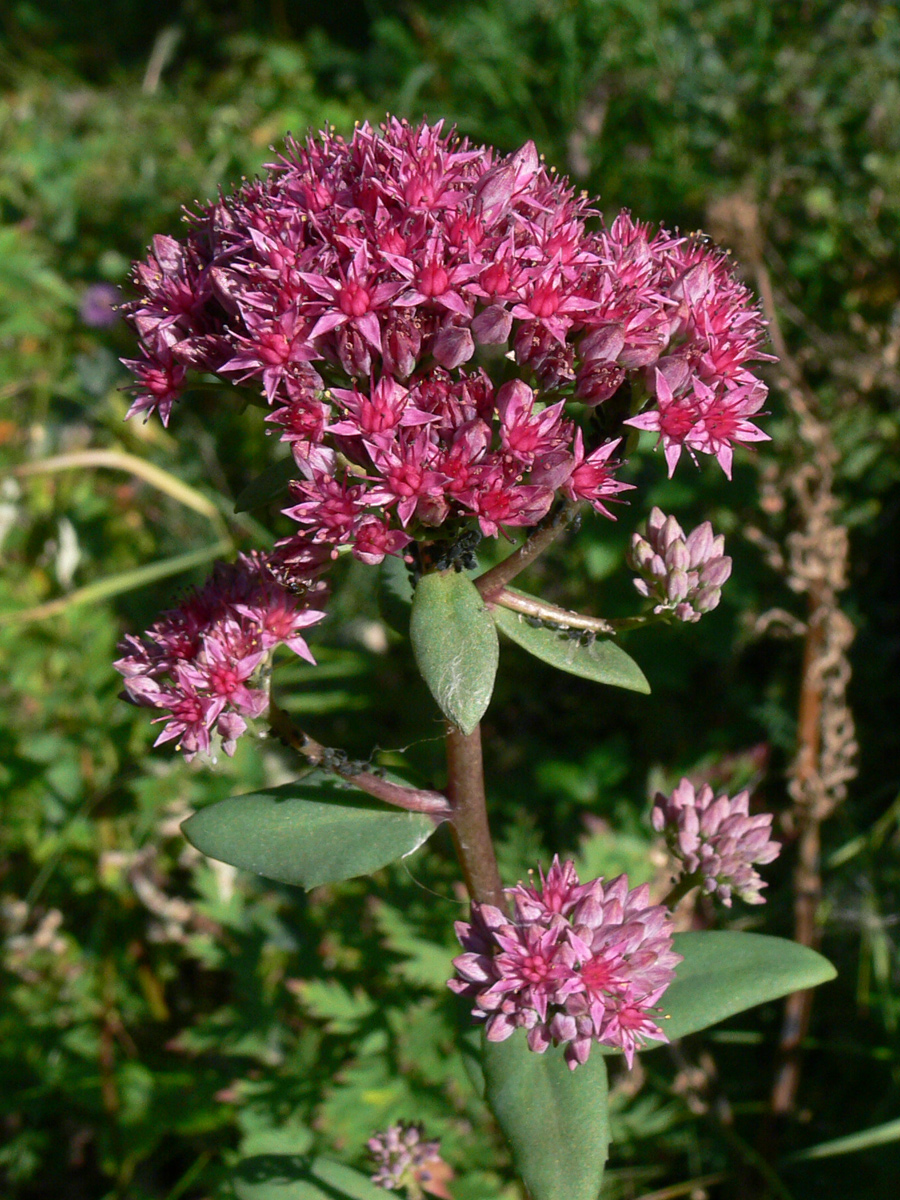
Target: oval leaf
column 310, row 832
column 555, row 1120
column 725, row 972
column 603, row 660
column 296, row 1177
column 267, row 486
column 455, row 644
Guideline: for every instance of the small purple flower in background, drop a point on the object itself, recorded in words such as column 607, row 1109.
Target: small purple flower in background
column 99, row 305
column 576, row 964
column 716, row 840
column 404, row 1160
column 684, row 575
column 202, row 664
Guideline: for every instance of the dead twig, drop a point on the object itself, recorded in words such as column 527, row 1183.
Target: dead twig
column 814, row 561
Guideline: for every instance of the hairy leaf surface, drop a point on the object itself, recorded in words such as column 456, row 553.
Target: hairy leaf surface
column 455, row 644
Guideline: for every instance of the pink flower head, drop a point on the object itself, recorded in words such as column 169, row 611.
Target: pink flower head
column 353, row 286
column 705, row 419
column 577, row 964
column 592, row 476
column 716, row 839
column 201, row 665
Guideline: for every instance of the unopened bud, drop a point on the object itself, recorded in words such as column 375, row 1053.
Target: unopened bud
column 453, row 346
column 492, row 326
column 716, row 839
column 683, row 575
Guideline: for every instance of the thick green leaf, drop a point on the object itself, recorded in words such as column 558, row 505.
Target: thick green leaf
column 724, row 973
column 267, row 486
column 603, row 660
column 296, row 1177
column 555, row 1120
column 310, row 832
column 455, row 644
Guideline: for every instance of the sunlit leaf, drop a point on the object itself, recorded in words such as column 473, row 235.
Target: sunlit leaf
column 308, row 833
column 602, row 660
column 555, row 1120
column 455, row 644
column 725, row 972
column 865, row 1139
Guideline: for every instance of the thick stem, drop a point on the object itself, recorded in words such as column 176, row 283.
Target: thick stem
column 490, row 583
column 469, row 823
column 433, row 804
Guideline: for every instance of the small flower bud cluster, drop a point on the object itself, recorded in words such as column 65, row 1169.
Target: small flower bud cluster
column 201, row 665
column 683, row 575
column 576, row 964
column 404, row 1160
column 716, row 840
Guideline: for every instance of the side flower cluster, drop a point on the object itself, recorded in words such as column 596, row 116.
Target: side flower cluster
column 353, row 285
column 683, row 575
column 576, row 964
column 405, row 1160
column 202, row 664
column 716, row 840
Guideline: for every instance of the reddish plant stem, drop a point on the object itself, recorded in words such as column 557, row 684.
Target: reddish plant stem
column 492, row 581
column 421, row 800
column 469, row 822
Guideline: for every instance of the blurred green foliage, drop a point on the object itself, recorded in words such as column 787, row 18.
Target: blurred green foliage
column 160, row 1015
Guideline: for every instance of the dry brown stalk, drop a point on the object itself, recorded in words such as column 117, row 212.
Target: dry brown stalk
column 814, row 561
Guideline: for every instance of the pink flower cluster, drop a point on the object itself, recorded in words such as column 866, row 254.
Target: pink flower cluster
column 684, row 575
column 716, row 840
column 357, row 281
column 405, row 1160
column 201, row 665
column 576, row 964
